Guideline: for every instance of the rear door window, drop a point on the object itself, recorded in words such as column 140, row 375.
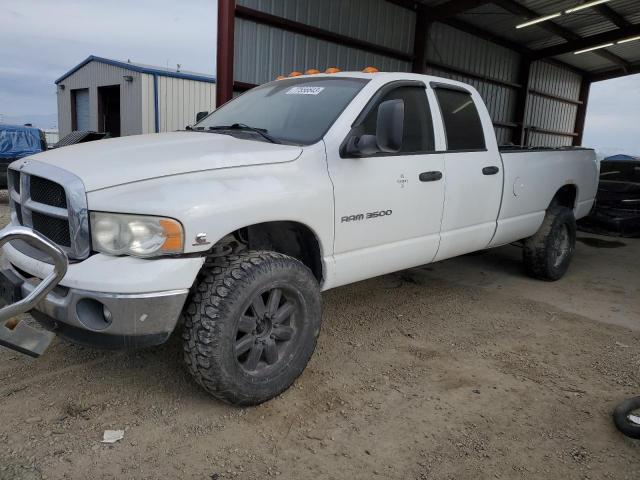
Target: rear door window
column 462, row 124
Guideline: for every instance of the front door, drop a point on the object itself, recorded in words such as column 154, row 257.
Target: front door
column 388, row 207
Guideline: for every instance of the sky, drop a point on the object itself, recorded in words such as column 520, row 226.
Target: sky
column 613, row 117
column 42, row 39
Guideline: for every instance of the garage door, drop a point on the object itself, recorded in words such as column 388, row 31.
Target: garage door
column 82, row 109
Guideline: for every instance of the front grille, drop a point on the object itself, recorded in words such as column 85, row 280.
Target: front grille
column 55, row 229
column 52, row 202
column 48, row 192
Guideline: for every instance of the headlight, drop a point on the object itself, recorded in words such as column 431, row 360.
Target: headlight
column 137, row 235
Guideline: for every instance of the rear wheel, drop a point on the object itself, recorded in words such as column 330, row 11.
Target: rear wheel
column 548, row 253
column 252, row 325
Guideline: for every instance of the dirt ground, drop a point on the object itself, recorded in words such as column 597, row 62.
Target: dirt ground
column 464, row 369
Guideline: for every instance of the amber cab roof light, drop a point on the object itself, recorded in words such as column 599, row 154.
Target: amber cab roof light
column 314, row 71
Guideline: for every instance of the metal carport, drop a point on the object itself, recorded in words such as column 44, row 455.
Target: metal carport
column 534, row 82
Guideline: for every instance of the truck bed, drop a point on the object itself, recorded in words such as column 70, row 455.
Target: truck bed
column 520, row 149
column 532, row 176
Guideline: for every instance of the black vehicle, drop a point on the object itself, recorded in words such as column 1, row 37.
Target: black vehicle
column 617, row 209
column 17, row 141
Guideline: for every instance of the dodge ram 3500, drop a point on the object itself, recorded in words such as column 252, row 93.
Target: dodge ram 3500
column 230, row 230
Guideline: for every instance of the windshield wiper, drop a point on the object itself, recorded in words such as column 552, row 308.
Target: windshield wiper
column 242, row 126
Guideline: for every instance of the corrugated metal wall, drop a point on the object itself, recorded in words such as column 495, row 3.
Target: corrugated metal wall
column 551, row 114
column 263, row 52
column 148, row 104
column 92, row 76
column 179, row 101
column 450, row 47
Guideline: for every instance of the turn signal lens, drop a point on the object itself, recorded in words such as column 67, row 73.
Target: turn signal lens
column 312, row 71
column 173, row 235
column 295, row 74
column 370, row 70
column 280, row 77
column 332, row 70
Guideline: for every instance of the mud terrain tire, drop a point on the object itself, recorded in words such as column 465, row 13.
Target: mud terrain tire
column 251, row 326
column 548, row 253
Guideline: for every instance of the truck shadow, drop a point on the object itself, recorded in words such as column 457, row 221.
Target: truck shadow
column 600, row 242
column 157, row 371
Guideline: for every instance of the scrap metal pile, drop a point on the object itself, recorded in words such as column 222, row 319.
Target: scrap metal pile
column 617, row 209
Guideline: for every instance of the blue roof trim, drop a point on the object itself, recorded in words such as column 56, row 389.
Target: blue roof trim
column 137, row 68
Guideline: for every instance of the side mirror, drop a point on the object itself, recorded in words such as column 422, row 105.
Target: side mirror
column 389, row 132
column 362, row 145
column 390, row 125
column 201, row 115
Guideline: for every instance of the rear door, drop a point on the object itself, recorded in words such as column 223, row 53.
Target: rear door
column 473, row 172
column 388, row 207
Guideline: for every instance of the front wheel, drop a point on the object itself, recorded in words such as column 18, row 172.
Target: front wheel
column 548, row 253
column 251, row 326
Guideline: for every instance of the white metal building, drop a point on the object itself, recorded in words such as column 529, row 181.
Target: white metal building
column 126, row 98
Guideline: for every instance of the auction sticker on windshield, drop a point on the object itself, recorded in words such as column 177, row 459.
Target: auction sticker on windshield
column 304, row 90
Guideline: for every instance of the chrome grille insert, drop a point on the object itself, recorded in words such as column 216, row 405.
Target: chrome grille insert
column 51, row 201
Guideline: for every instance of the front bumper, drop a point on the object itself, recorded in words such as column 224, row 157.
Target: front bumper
column 97, row 317
column 108, row 320
column 105, row 320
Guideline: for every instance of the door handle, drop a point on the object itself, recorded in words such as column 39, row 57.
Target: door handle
column 430, row 176
column 490, row 170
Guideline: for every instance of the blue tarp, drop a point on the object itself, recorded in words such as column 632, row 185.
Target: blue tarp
column 621, row 157
column 17, row 141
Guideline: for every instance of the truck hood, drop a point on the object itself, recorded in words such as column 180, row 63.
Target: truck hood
column 107, row 163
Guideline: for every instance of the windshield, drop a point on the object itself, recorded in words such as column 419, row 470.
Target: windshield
column 296, row 110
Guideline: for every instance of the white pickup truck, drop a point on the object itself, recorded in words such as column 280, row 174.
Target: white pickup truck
column 230, row 230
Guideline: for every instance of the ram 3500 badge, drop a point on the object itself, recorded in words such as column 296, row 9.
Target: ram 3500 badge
column 365, row 216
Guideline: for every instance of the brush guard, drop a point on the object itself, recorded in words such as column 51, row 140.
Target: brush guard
column 15, row 333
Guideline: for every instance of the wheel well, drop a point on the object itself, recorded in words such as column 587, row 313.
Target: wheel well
column 290, row 238
column 566, row 196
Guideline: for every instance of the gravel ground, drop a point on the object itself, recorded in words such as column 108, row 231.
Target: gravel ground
column 461, row 370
